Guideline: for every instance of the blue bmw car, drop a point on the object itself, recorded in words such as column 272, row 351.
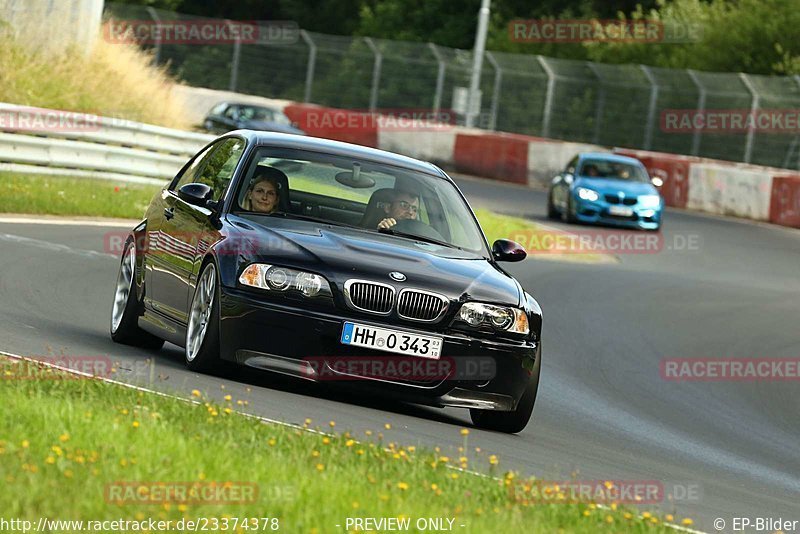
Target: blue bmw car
column 605, row 189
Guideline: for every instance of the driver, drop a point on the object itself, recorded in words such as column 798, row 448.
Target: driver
column 404, row 205
column 591, row 170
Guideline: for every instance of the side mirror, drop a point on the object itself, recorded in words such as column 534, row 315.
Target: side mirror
column 507, row 250
column 656, row 181
column 196, row 194
column 568, row 178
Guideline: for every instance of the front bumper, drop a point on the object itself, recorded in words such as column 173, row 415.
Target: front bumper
column 287, row 337
column 599, row 212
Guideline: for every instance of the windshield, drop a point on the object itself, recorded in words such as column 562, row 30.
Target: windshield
column 358, row 193
column 255, row 113
column 599, row 168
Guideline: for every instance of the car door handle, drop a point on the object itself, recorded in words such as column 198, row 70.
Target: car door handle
column 169, row 213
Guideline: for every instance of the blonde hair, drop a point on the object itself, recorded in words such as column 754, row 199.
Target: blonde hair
column 246, row 204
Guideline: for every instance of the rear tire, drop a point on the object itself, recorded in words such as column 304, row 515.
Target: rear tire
column 511, row 422
column 125, row 310
column 202, row 332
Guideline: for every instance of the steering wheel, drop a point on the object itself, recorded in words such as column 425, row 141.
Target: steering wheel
column 415, row 227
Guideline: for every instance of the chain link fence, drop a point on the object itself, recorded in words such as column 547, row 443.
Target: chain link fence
column 612, row 105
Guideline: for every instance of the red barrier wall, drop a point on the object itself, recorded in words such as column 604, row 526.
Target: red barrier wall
column 784, row 207
column 672, row 169
column 500, row 156
column 333, row 123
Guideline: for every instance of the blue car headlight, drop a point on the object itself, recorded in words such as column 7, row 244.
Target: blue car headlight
column 649, row 201
column 587, row 194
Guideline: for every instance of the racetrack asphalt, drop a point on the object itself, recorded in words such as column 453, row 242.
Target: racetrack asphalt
column 604, row 412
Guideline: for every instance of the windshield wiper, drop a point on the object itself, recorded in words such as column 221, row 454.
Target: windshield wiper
column 416, row 237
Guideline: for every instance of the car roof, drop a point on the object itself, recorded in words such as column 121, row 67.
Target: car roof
column 607, row 156
column 248, row 104
column 339, row 148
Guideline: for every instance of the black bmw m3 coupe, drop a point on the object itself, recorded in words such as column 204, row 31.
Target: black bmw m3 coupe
column 329, row 261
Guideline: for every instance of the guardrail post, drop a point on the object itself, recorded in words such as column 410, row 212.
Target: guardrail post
column 548, row 98
column 498, row 80
column 701, row 106
column 312, row 61
column 437, row 96
column 376, row 73
column 601, row 102
column 154, row 16
column 751, row 130
column 651, row 109
column 237, row 49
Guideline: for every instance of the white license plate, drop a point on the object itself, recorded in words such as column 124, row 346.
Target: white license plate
column 391, row 340
column 620, row 210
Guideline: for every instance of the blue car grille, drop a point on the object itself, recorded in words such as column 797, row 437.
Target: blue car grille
column 614, row 199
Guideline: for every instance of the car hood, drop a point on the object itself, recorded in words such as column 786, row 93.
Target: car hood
column 341, row 253
column 270, row 127
column 606, row 186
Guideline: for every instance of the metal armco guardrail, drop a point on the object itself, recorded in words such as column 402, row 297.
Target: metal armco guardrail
column 43, row 141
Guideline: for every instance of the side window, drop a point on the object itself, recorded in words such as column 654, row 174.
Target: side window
column 232, row 112
column 218, row 172
column 571, row 165
column 191, row 172
column 218, row 109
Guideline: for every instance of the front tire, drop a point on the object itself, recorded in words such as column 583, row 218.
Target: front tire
column 567, row 214
column 516, row 421
column 202, row 332
column 125, row 310
column 552, row 212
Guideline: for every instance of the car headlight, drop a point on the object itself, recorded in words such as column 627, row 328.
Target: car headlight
column 649, row 201
column 587, row 194
column 500, row 318
column 274, row 278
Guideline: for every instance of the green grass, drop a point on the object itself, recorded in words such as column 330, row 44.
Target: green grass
column 65, row 440
column 73, row 196
column 114, row 80
column 497, row 226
